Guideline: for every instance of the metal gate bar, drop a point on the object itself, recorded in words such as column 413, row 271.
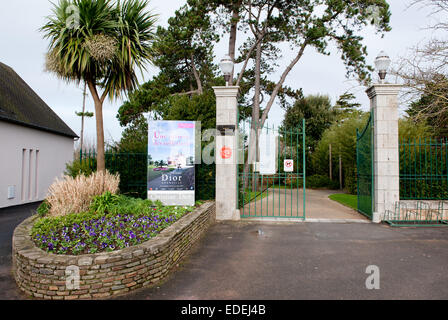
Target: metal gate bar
column 364, row 169
column 269, row 196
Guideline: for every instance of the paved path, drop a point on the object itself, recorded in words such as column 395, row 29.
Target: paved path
column 310, row 261
column 9, row 219
column 289, row 203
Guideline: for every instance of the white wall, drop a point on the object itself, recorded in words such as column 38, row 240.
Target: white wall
column 22, row 150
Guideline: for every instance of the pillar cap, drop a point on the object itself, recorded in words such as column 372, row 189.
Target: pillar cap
column 230, row 91
column 383, row 89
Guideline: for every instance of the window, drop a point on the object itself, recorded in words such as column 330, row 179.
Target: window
column 23, row 174
column 36, row 176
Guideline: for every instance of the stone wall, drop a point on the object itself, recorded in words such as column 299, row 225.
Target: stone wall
column 44, row 275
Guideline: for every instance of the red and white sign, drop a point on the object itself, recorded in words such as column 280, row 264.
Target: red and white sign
column 226, row 153
column 288, row 165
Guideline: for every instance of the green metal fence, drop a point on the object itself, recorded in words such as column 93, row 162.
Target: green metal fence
column 424, row 169
column 364, row 165
column 279, row 195
column 133, row 167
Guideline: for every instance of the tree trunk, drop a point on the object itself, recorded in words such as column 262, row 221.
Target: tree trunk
column 331, row 162
column 101, row 162
column 254, row 127
column 100, row 159
column 340, row 172
column 196, row 76
column 281, row 81
column 233, row 32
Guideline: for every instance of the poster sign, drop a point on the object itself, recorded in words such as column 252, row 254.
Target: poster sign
column 171, row 159
column 288, row 165
column 268, row 153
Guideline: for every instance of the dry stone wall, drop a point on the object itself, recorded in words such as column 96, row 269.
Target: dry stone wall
column 49, row 276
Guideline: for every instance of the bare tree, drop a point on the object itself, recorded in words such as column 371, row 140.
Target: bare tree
column 424, row 70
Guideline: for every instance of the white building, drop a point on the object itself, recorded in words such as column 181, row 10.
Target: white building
column 35, row 144
column 178, row 160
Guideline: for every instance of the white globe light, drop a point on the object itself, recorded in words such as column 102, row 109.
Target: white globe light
column 382, row 64
column 226, row 65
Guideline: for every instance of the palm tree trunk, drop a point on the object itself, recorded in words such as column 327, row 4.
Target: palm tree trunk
column 101, row 163
column 100, row 159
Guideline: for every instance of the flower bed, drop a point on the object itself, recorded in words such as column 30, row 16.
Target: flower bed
column 43, row 274
column 114, row 222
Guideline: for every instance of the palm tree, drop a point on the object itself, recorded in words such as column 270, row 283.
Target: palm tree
column 101, row 42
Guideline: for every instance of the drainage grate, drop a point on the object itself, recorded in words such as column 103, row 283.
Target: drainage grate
column 417, row 223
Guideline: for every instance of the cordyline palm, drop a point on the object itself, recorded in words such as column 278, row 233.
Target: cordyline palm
column 101, row 43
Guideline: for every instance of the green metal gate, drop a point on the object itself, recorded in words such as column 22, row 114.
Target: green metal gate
column 364, row 165
column 278, row 195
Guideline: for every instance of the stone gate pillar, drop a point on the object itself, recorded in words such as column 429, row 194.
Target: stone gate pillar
column 386, row 165
column 226, row 154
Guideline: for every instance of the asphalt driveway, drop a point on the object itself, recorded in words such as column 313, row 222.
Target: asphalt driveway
column 252, row 260
column 9, row 219
column 310, row 261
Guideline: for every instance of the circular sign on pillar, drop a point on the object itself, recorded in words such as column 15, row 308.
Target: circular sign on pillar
column 226, row 153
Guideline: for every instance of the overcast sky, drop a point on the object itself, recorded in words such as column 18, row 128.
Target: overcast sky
column 23, row 49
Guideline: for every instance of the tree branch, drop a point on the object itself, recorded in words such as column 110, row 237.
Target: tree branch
column 196, row 75
column 186, row 93
column 281, row 81
column 246, row 61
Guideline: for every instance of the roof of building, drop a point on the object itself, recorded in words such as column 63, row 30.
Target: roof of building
column 21, row 105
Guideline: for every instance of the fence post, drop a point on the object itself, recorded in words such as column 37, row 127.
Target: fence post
column 386, row 167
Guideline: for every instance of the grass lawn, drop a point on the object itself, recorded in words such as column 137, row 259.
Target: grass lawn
column 348, row 200
column 276, row 186
column 250, row 196
column 155, row 174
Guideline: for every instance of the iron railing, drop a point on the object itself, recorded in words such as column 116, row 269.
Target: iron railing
column 132, row 168
column 133, row 171
column 424, row 169
column 418, row 214
column 364, row 168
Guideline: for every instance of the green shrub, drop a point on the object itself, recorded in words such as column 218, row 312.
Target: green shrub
column 351, row 182
column 104, row 202
column 205, row 182
column 43, row 209
column 76, row 168
column 320, row 181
